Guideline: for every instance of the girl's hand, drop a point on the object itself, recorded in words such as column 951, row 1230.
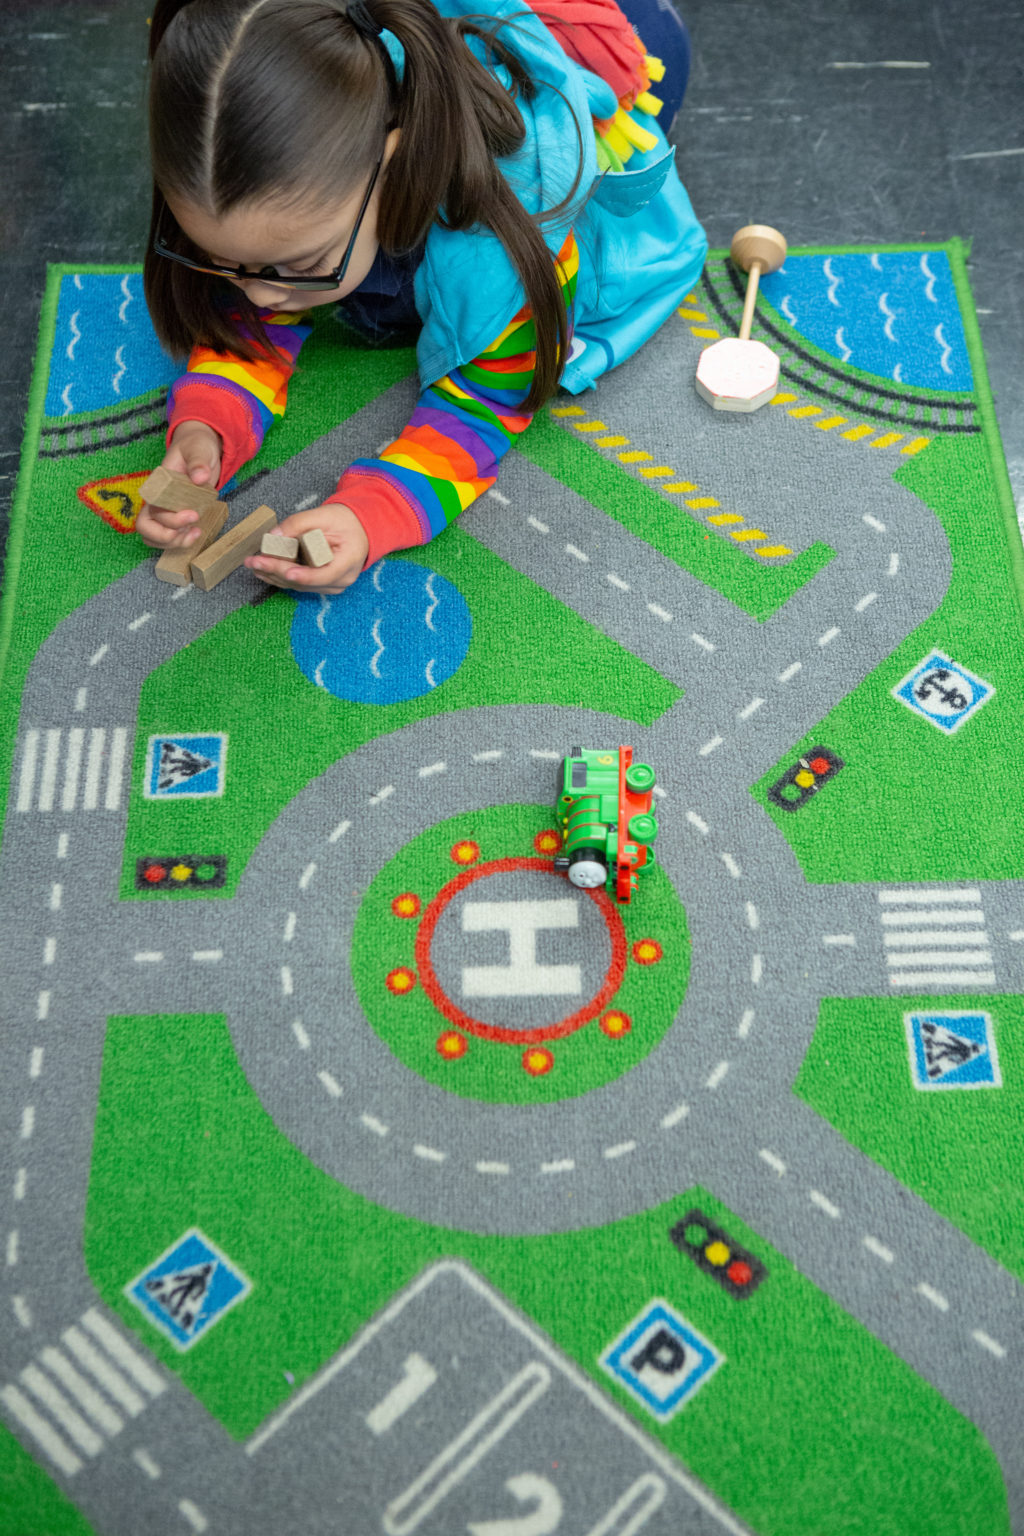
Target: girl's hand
column 195, row 450
column 345, row 535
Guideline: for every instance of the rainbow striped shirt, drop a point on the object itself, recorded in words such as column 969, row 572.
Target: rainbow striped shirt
column 446, row 457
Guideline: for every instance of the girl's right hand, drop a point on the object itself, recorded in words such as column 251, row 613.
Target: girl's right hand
column 195, row 450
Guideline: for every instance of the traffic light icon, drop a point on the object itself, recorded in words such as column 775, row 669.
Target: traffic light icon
column 800, row 782
column 155, row 874
column 713, row 1250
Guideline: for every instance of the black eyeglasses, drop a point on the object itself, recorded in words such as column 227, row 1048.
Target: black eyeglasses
column 271, row 275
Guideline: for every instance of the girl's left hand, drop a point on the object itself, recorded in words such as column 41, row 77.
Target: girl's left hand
column 348, row 541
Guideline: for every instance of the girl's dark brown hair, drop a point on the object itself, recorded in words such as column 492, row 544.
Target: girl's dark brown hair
column 287, row 100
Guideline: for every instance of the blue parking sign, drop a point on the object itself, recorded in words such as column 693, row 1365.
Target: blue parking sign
column 661, row 1360
column 187, row 1288
column 943, row 692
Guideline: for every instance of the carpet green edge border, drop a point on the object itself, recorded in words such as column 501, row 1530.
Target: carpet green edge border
column 56, row 271
column 29, row 452
column 957, row 252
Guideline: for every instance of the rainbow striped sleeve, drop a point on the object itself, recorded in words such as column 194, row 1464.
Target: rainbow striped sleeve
column 239, row 399
column 461, row 428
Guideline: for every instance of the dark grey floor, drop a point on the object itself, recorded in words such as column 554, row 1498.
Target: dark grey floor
column 801, row 113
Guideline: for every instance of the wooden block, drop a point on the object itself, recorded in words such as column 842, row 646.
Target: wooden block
column 228, row 553
column 172, row 492
column 174, row 565
column 281, row 545
column 315, row 547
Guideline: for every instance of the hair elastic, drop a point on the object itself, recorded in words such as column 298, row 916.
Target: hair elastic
column 361, row 19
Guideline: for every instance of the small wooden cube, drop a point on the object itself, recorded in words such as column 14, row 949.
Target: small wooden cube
column 228, row 553
column 175, row 565
column 280, row 545
column 172, row 492
column 315, row 547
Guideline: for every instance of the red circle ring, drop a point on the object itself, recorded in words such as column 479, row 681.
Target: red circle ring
column 443, row 1003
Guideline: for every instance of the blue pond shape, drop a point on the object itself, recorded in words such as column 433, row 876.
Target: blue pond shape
column 892, row 313
column 398, row 633
column 105, row 350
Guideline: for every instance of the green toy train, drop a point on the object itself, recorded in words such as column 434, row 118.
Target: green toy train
column 604, row 816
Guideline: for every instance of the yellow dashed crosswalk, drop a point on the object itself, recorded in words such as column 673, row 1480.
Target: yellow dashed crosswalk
column 664, row 475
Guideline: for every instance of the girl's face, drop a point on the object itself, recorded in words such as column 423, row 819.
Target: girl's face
column 297, row 241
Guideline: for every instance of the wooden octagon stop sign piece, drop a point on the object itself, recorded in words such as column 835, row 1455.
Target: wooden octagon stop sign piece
column 737, row 374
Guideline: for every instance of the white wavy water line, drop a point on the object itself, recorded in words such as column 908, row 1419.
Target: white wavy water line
column 78, row 281
column 884, row 307
column 428, row 617
column 947, row 349
column 833, row 281
column 929, row 291
column 128, row 296
column 428, row 669
column 318, row 674
column 841, row 344
column 378, row 568
column 378, row 653
column 76, row 335
column 325, row 608
column 115, row 382
column 876, row 264
column 786, row 308
column 66, row 400
column 897, row 373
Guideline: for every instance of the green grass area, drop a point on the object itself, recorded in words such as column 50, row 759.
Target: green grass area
column 809, row 1412
column 759, row 590
column 409, row 1023
column 241, row 678
column 911, row 802
column 958, row 1149
column 31, row 1504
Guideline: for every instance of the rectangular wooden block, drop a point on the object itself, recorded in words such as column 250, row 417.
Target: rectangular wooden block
column 176, row 493
column 315, row 547
column 281, row 545
column 175, row 565
column 228, row 553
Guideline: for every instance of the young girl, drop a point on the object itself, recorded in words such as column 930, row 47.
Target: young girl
column 431, row 173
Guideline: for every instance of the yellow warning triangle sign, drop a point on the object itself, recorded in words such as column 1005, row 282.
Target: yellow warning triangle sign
column 116, row 500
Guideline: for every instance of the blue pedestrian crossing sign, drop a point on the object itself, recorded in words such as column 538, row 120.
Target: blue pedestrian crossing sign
column 185, row 767
column 943, row 692
column 952, row 1050
column 661, row 1360
column 188, row 1288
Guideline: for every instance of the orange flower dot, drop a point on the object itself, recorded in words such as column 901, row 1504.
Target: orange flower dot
column 547, row 842
column 466, row 852
column 406, row 905
column 537, row 1061
column 647, row 951
column 616, row 1024
column 451, row 1045
column 401, row 980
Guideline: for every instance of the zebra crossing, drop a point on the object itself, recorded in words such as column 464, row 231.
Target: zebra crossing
column 71, row 1401
column 75, row 769
column 935, row 936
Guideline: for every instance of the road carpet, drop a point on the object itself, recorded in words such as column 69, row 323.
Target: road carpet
column 366, row 1170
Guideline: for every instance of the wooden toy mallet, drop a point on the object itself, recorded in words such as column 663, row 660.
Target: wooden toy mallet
column 737, row 374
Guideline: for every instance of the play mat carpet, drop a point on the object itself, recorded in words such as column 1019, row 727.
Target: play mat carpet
column 364, row 1175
